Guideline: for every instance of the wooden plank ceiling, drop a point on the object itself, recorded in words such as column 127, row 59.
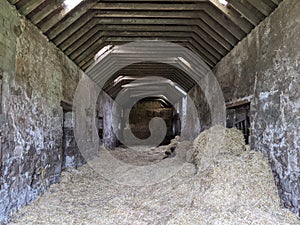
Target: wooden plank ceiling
column 206, row 27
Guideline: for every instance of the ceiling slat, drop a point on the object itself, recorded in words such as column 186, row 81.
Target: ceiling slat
column 219, row 29
column 206, row 27
column 90, row 59
column 143, row 23
column 244, row 11
column 45, row 11
column 89, row 54
column 261, row 6
column 62, row 13
column 83, row 17
column 67, row 38
column 157, row 28
column 79, row 54
column 206, row 49
column 147, row 14
column 149, row 6
column 226, row 23
column 220, row 36
column 234, row 16
column 69, row 48
column 30, row 6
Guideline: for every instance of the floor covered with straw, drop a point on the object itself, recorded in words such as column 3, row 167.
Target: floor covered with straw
column 236, row 188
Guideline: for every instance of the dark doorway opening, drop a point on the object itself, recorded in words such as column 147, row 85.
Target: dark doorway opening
column 71, row 156
column 238, row 115
column 146, row 109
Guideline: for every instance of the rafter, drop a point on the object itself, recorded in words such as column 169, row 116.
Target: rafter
column 244, row 11
column 129, row 7
column 233, row 16
column 68, row 38
column 206, row 27
column 79, row 54
column 30, row 6
column 45, row 11
column 117, row 41
column 261, row 6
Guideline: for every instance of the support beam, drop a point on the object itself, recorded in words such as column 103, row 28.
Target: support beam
column 83, row 31
column 79, row 53
column 89, row 58
column 90, row 61
column 251, row 17
column 30, row 6
column 70, row 36
column 45, row 11
column 149, row 6
column 229, row 25
column 219, row 29
column 60, row 14
column 205, row 48
column 69, row 49
column 148, row 14
column 234, row 16
column 232, row 30
column 225, row 22
column 79, row 18
column 261, row 6
column 223, row 37
column 184, row 31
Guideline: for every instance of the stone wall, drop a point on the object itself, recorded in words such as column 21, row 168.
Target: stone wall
column 36, row 78
column 265, row 68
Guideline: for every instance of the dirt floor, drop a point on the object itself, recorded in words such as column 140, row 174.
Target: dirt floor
column 237, row 187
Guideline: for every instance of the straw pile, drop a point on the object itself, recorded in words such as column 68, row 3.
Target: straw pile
column 236, row 188
column 145, row 155
column 216, row 140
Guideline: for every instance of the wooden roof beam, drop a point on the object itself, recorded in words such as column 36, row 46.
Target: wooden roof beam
column 149, row 6
column 251, row 17
column 218, row 43
column 30, row 6
column 261, row 6
column 72, row 16
column 233, row 15
column 45, row 11
column 225, row 22
column 76, row 21
column 219, row 29
column 79, row 34
column 223, row 26
column 88, row 55
column 69, row 49
column 209, row 51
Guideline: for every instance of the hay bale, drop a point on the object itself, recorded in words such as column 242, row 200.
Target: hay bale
column 214, row 141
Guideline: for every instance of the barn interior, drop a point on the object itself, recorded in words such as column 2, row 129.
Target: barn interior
column 48, row 49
